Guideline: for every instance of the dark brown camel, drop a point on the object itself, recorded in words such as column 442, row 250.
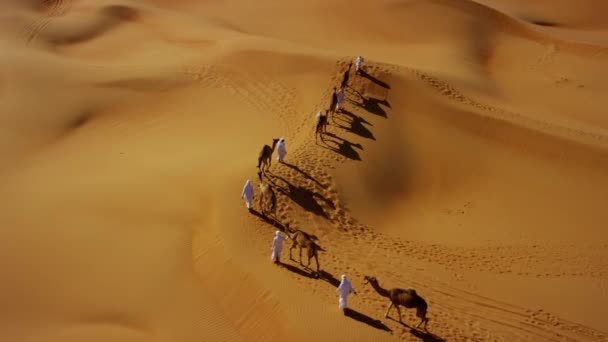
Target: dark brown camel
column 346, row 76
column 334, row 102
column 265, row 157
column 401, row 297
column 321, row 126
column 303, row 240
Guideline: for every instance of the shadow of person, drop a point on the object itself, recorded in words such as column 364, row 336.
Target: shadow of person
column 383, row 84
column 356, row 125
column 375, row 323
column 345, row 147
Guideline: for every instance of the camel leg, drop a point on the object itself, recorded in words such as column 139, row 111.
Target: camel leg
column 292, row 247
column 301, row 256
column 399, row 311
column 389, row 309
column 425, row 320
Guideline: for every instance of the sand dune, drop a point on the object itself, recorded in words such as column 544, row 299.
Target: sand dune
column 469, row 164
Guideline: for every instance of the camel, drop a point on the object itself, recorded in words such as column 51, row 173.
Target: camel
column 404, row 297
column 264, row 159
column 334, row 102
column 346, row 76
column 321, row 126
column 267, row 200
column 303, row 240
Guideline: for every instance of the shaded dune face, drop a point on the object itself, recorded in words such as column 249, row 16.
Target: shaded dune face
column 468, row 164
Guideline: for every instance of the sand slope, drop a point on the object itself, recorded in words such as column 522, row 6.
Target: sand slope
column 469, row 164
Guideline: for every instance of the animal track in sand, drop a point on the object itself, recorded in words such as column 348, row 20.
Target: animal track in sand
column 505, row 115
column 466, row 316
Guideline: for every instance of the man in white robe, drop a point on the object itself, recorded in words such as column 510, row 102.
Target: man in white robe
column 277, row 247
column 340, row 96
column 344, row 289
column 358, row 63
column 247, row 194
column 281, row 150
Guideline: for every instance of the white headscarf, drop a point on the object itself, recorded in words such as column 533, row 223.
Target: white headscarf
column 345, row 286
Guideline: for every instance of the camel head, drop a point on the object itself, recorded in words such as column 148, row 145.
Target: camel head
column 369, row 279
column 275, row 141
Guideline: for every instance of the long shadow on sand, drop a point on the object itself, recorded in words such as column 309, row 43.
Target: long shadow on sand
column 344, row 147
column 372, row 105
column 356, row 125
column 303, row 272
column 326, row 276
column 375, row 323
column 305, row 198
column 271, row 221
column 425, row 336
column 295, row 167
column 375, row 80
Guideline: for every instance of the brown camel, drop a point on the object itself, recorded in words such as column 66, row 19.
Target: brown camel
column 264, row 159
column 404, row 297
column 267, row 200
column 346, row 76
column 334, row 102
column 303, row 240
column 321, row 126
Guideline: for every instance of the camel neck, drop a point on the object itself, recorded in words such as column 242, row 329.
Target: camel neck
column 381, row 291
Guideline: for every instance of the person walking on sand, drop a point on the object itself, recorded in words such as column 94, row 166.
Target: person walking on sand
column 247, row 194
column 358, row 63
column 340, row 101
column 277, row 247
column 344, row 289
column 281, row 150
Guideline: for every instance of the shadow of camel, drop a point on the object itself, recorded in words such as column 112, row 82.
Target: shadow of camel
column 304, row 174
column 305, row 198
column 329, row 278
column 373, row 79
column 356, row 125
column 268, row 220
column 426, row 336
column 308, row 274
column 344, row 148
column 372, row 105
column 374, row 323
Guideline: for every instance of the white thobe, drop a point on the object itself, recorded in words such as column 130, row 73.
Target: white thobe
column 358, row 62
column 340, row 95
column 344, row 290
column 277, row 247
column 247, row 194
column 281, row 150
